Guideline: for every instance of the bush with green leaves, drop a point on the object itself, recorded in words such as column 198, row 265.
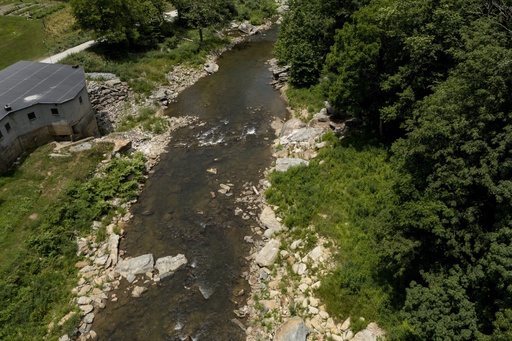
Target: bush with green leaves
column 147, row 119
column 345, row 197
column 35, row 287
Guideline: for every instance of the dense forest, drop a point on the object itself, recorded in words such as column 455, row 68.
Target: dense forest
column 431, row 79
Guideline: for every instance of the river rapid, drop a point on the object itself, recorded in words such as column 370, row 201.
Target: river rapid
column 177, row 213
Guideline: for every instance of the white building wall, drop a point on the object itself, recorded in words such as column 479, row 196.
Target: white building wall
column 71, row 120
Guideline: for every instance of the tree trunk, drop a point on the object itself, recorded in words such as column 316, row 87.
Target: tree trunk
column 201, row 36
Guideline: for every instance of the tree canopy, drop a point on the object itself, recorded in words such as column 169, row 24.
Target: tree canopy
column 441, row 72
column 121, row 21
column 201, row 14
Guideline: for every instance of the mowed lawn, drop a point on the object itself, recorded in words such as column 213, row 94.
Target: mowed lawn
column 20, row 39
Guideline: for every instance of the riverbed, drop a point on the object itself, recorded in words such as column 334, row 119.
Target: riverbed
column 182, row 211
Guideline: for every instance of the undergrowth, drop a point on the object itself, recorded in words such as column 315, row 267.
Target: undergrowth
column 345, row 193
column 39, row 240
column 147, row 119
column 145, row 70
column 312, row 98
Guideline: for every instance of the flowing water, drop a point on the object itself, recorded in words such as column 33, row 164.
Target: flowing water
column 177, row 214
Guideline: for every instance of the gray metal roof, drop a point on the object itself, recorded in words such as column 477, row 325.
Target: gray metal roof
column 27, row 83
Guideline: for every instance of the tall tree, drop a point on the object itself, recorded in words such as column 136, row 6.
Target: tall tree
column 391, row 53
column 455, row 188
column 306, row 34
column 121, row 21
column 201, row 14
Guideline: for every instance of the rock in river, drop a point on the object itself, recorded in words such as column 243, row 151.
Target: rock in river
column 139, row 265
column 166, row 266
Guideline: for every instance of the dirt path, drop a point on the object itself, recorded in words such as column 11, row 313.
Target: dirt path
column 59, row 56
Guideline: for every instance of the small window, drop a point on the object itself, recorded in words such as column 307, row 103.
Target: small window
column 55, row 111
column 31, row 116
column 80, row 99
column 8, row 127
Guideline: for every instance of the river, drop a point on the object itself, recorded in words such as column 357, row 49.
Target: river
column 176, row 212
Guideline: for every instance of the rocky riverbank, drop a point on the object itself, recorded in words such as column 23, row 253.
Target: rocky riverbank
column 284, row 274
column 103, row 265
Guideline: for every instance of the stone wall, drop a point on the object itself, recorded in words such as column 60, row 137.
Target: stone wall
column 111, row 101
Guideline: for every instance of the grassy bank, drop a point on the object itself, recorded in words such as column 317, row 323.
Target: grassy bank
column 20, row 39
column 33, row 39
column 145, row 70
column 345, row 193
column 45, row 205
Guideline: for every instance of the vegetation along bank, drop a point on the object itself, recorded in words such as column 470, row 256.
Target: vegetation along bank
column 415, row 201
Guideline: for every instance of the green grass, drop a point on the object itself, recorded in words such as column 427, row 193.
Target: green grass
column 145, row 70
column 44, row 205
column 147, row 119
column 20, row 39
column 255, row 10
column 24, row 39
column 346, row 197
column 311, row 98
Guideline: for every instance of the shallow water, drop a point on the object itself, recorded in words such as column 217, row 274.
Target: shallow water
column 176, row 213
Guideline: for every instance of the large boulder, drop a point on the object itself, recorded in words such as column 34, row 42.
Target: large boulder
column 268, row 255
column 134, row 266
column 372, row 333
column 302, row 135
column 322, row 116
column 211, row 67
column 113, row 247
column 293, row 329
column 268, row 218
column 283, row 164
column 247, row 28
column 167, row 266
column 291, row 126
column 121, row 146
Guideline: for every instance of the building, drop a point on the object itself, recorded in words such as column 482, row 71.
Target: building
column 40, row 103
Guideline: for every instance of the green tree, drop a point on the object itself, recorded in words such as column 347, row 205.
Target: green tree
column 391, row 53
column 121, row 21
column 455, row 189
column 202, row 14
column 441, row 310
column 306, row 34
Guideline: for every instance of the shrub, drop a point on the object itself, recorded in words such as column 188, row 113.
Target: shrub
column 147, row 119
column 345, row 197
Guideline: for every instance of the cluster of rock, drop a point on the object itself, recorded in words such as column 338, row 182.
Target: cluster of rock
column 103, row 268
column 111, row 100
column 145, row 264
column 149, row 144
column 97, row 278
column 283, row 305
column 299, row 142
column 279, row 73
